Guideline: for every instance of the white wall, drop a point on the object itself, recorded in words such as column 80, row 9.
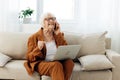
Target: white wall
column 96, row 16
column 92, row 16
column 9, row 15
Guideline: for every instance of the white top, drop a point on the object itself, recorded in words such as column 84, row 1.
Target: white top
column 51, row 50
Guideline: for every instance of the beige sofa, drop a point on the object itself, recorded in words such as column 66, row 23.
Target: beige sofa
column 14, row 45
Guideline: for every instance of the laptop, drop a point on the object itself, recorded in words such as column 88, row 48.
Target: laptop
column 67, row 52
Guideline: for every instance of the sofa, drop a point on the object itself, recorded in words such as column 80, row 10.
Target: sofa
column 14, row 45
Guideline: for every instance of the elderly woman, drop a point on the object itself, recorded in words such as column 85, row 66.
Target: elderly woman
column 42, row 47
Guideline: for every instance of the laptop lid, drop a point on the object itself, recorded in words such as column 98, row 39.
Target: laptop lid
column 67, row 52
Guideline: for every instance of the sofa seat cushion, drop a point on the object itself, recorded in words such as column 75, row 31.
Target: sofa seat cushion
column 16, row 70
column 92, row 75
column 78, row 74
column 77, row 67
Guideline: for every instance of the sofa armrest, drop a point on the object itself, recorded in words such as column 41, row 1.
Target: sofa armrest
column 114, row 57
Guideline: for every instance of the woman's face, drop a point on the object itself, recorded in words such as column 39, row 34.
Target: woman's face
column 49, row 22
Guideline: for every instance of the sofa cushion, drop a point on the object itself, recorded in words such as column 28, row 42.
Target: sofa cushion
column 90, row 43
column 15, row 70
column 77, row 66
column 95, row 62
column 14, row 44
column 92, row 75
column 4, row 59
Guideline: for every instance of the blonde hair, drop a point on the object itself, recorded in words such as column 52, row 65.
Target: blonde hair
column 43, row 16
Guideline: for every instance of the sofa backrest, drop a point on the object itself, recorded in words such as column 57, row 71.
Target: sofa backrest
column 15, row 44
column 94, row 43
column 73, row 38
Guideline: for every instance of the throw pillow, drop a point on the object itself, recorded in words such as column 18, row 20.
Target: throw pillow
column 92, row 44
column 95, row 62
column 4, row 59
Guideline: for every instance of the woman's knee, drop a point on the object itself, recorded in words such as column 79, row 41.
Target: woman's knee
column 57, row 64
column 69, row 62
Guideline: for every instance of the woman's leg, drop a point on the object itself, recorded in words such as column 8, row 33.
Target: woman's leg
column 53, row 69
column 68, row 67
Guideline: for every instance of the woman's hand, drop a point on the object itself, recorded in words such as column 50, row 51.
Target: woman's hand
column 57, row 30
column 40, row 44
column 46, row 31
column 48, row 28
column 31, row 57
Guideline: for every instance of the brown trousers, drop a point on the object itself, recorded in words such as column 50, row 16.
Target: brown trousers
column 58, row 70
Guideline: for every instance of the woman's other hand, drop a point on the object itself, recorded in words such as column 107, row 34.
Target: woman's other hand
column 57, row 29
column 40, row 44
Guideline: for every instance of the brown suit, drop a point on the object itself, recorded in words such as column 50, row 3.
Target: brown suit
column 36, row 57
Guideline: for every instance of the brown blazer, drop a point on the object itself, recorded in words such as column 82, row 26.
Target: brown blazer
column 34, row 55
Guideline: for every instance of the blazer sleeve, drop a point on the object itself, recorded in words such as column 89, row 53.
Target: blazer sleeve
column 33, row 52
column 60, row 40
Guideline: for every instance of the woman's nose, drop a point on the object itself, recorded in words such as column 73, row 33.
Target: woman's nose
column 51, row 22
